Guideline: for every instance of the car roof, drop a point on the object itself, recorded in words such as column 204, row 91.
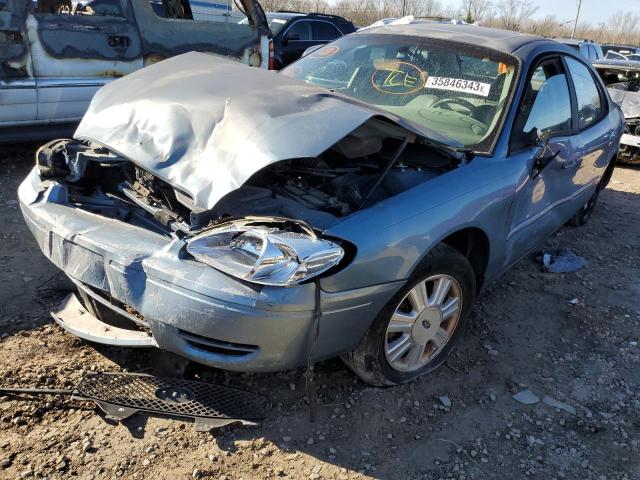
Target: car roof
column 502, row 40
column 316, row 16
column 570, row 41
column 284, row 15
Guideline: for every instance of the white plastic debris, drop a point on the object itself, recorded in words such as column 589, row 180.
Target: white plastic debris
column 526, row 397
column 553, row 403
column 561, row 260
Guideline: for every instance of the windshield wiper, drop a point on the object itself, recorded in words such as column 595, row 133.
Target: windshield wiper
column 464, row 154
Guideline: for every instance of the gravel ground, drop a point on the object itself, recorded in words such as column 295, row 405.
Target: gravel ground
column 570, row 339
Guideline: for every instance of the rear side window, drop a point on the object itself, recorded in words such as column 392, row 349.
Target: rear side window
column 587, row 94
column 324, row 31
column 546, row 104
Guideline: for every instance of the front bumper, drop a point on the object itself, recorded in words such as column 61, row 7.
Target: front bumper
column 147, row 282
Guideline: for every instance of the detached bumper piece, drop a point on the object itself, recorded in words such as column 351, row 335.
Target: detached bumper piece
column 121, row 395
column 76, row 319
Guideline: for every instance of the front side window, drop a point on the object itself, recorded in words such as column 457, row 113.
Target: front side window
column 300, row 30
column 275, row 24
column 546, row 104
column 587, row 93
column 458, row 90
column 324, row 31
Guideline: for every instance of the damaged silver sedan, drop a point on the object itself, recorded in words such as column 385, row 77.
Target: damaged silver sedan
column 354, row 204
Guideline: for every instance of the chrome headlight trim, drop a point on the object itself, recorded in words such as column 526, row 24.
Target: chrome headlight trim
column 268, row 251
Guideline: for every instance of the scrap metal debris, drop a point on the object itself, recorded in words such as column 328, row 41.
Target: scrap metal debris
column 560, row 260
column 121, row 395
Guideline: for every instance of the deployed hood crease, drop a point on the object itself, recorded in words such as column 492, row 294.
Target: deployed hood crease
column 628, row 101
column 205, row 124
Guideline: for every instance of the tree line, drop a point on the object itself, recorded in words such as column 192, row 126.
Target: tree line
column 518, row 15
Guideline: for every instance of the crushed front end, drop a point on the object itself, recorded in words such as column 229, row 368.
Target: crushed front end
column 122, row 236
column 198, row 212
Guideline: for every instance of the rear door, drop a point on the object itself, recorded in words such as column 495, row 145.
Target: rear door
column 18, row 97
column 596, row 140
column 75, row 49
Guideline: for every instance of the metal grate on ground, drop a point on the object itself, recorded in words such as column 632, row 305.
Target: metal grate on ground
column 172, row 396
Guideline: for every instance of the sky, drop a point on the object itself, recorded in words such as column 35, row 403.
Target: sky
column 592, row 11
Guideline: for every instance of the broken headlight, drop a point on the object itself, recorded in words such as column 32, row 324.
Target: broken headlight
column 269, row 252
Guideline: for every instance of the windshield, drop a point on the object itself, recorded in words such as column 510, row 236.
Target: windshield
column 458, row 90
column 275, row 23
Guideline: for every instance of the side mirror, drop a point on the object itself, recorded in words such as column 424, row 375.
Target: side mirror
column 543, row 156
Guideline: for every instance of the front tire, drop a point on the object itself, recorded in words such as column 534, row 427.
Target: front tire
column 413, row 334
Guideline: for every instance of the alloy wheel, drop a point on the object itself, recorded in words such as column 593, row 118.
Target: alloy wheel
column 423, row 323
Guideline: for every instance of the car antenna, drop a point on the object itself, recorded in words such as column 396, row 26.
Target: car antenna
column 384, row 173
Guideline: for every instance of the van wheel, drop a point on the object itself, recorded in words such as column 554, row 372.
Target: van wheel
column 583, row 215
column 413, row 334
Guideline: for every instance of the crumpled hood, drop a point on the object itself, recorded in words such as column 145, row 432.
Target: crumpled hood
column 205, row 124
column 629, row 102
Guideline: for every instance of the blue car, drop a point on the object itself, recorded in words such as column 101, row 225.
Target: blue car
column 354, row 204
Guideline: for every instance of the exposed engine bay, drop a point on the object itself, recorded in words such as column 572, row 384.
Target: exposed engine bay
column 357, row 172
column 623, row 85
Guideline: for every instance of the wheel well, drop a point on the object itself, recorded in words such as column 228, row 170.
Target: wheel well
column 473, row 244
column 608, row 173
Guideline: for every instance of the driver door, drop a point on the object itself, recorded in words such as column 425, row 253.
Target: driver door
column 543, row 198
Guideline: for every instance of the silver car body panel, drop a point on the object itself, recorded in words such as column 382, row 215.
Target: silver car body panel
column 18, row 101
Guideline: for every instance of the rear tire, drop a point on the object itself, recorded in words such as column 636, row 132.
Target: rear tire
column 392, row 351
column 583, row 215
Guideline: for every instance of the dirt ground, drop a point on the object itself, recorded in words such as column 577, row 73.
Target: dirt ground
column 573, row 337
